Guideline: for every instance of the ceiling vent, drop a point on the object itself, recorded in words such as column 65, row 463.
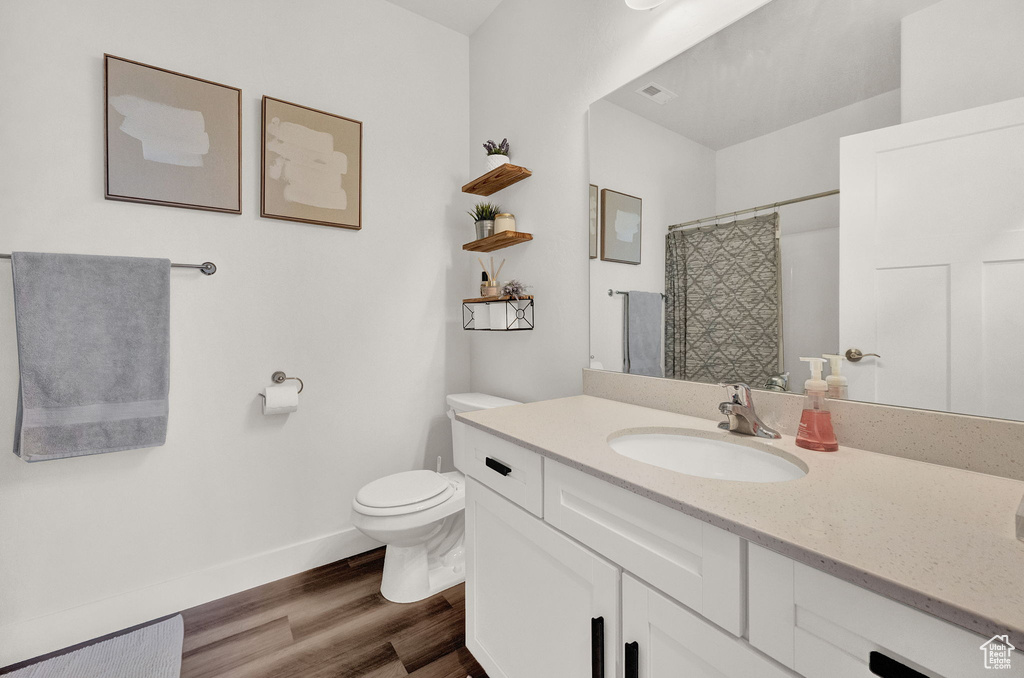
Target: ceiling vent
column 656, row 93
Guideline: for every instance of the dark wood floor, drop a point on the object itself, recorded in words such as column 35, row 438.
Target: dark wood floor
column 330, row 622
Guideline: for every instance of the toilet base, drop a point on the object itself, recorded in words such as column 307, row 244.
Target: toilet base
column 412, row 573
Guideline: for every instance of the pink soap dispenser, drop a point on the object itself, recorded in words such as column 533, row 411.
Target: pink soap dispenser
column 815, row 431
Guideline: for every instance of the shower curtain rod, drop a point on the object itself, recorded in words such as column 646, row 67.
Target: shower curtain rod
column 772, row 205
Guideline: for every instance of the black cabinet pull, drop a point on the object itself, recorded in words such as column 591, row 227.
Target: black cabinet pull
column 498, row 466
column 887, row 667
column 597, row 647
column 633, row 660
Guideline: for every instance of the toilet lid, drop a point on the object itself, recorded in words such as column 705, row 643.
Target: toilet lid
column 401, row 489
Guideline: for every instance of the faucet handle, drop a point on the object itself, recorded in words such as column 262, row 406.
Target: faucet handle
column 738, row 393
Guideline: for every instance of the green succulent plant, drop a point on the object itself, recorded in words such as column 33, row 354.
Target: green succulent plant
column 484, row 211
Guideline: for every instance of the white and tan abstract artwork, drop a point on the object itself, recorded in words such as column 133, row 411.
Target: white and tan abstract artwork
column 171, row 139
column 621, row 222
column 312, row 164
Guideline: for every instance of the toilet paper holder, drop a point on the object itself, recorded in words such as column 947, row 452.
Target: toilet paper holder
column 280, row 377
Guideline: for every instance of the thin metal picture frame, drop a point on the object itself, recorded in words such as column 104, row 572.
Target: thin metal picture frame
column 594, row 220
column 605, row 226
column 106, row 141
column 263, row 168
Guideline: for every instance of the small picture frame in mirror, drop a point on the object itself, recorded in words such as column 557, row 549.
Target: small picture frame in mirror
column 593, row 221
column 621, row 222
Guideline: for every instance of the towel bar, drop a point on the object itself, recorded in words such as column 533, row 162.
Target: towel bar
column 614, row 292
column 206, row 268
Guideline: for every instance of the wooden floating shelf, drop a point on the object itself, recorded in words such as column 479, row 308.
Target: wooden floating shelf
column 484, row 300
column 497, row 241
column 497, row 179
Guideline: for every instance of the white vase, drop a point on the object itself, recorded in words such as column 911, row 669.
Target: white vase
column 495, row 161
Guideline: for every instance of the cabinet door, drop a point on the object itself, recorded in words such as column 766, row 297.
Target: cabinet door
column 665, row 640
column 532, row 596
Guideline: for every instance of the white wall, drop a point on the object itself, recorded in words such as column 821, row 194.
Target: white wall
column 960, row 54
column 367, row 319
column 675, row 178
column 567, row 55
column 799, row 160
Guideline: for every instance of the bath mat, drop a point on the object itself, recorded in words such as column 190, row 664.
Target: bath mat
column 151, row 652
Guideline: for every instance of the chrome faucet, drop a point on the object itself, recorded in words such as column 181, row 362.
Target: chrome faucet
column 742, row 417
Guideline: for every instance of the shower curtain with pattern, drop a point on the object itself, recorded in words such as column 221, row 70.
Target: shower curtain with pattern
column 723, row 311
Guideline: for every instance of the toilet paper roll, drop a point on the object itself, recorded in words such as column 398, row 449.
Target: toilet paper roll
column 481, row 317
column 281, row 398
column 498, row 316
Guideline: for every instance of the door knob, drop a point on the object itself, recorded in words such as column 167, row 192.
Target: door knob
column 854, row 355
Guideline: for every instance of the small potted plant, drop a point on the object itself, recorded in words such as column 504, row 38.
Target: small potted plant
column 514, row 289
column 483, row 214
column 497, row 154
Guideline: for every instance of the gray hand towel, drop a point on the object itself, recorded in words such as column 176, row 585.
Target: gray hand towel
column 643, row 340
column 93, row 339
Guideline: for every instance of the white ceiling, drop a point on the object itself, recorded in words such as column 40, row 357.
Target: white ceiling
column 464, row 16
column 789, row 61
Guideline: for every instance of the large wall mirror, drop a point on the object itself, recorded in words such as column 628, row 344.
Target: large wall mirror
column 838, row 177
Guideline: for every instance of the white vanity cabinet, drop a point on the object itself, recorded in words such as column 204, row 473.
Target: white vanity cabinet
column 824, row 627
column 537, row 603
column 662, row 639
column 544, row 602
column 566, row 572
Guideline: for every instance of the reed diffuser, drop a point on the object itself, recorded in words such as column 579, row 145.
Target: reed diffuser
column 490, row 286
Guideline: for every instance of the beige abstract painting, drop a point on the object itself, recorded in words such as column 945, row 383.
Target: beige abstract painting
column 312, row 166
column 621, row 221
column 171, row 139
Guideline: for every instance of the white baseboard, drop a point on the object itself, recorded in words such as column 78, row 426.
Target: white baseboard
column 34, row 637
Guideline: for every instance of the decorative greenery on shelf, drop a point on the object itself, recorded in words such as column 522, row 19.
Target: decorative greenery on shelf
column 484, row 211
column 497, row 149
column 514, row 289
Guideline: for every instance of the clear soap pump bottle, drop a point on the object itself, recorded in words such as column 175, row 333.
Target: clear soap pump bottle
column 838, row 385
column 815, row 432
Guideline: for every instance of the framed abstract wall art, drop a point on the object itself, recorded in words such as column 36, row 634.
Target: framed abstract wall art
column 621, row 222
column 593, row 221
column 171, row 139
column 311, row 166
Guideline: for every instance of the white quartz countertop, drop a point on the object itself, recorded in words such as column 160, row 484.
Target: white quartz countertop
column 939, row 539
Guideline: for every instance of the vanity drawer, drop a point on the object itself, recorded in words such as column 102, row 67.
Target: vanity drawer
column 699, row 565
column 824, row 627
column 514, row 472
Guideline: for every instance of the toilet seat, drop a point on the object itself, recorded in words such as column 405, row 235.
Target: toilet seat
column 402, row 493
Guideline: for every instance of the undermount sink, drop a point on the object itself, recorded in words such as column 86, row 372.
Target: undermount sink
column 707, row 457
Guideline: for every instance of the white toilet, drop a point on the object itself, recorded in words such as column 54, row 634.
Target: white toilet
column 419, row 515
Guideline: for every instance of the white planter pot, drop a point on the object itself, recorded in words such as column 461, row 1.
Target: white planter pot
column 495, row 161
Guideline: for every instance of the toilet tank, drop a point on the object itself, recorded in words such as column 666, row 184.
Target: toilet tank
column 468, row 402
